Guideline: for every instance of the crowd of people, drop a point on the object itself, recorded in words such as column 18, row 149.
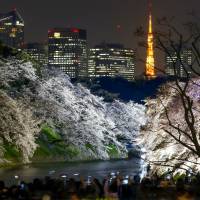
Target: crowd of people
column 113, row 187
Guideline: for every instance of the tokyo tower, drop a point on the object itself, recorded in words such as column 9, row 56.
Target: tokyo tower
column 150, row 61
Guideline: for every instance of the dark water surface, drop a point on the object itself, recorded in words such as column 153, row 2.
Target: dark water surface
column 99, row 169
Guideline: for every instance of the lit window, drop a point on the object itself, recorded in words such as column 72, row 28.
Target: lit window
column 56, row 35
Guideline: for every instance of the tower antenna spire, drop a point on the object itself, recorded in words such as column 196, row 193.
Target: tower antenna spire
column 149, row 7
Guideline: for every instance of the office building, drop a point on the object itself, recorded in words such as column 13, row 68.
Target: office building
column 67, row 50
column 178, row 64
column 37, row 51
column 111, row 60
column 12, row 29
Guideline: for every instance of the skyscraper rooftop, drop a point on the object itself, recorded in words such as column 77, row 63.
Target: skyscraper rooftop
column 13, row 16
column 12, row 29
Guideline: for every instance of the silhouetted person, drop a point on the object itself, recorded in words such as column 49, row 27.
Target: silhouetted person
column 148, row 169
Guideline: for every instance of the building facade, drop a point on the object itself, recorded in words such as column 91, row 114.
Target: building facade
column 176, row 65
column 111, row 60
column 37, row 51
column 67, row 50
column 12, row 29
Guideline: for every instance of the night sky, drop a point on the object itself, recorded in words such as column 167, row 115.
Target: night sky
column 100, row 17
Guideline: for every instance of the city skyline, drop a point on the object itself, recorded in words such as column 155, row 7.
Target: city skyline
column 74, row 13
column 116, row 25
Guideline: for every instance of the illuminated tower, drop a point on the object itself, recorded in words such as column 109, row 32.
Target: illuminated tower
column 150, row 63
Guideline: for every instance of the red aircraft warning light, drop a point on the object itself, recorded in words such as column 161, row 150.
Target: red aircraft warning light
column 75, row 30
column 14, row 8
column 51, row 31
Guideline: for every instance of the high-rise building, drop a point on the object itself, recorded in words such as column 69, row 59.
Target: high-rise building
column 12, row 29
column 67, row 50
column 176, row 65
column 111, row 60
column 37, row 51
column 150, row 61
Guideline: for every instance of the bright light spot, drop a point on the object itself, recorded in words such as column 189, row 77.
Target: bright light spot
column 16, row 176
column 56, row 35
column 150, row 64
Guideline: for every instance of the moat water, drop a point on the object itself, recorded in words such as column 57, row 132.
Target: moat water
column 99, row 169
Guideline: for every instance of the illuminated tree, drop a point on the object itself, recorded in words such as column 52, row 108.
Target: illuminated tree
column 180, row 116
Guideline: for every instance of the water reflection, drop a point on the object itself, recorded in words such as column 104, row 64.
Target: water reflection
column 98, row 169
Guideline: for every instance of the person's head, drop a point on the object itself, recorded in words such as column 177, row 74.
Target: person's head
column 96, row 181
column 185, row 195
column 90, row 192
column 47, row 179
column 2, row 185
column 180, row 186
column 37, row 183
column 71, row 186
column 74, row 196
column 113, row 186
column 46, row 197
column 14, row 191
